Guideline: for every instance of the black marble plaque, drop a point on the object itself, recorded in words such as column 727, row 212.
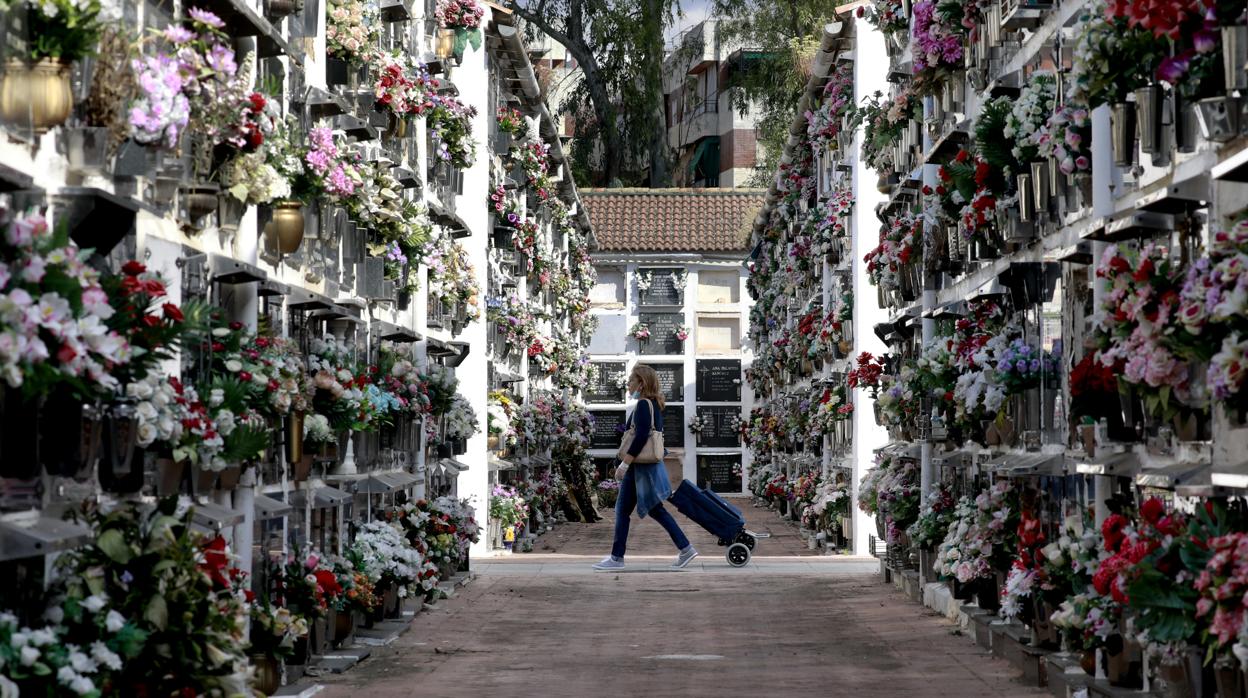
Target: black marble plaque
column 719, row 380
column 605, row 388
column 607, row 432
column 671, row 381
column 663, row 327
column 720, row 430
column 674, row 426
column 720, row 471
column 604, row 468
column 663, row 287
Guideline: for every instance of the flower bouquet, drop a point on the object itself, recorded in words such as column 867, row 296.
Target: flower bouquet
column 511, row 122
column 464, row 18
column 608, row 492
column 639, row 331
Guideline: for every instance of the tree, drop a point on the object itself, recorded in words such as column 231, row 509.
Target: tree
column 618, row 46
column 781, row 39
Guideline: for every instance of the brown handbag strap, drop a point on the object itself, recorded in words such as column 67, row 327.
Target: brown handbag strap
column 654, row 417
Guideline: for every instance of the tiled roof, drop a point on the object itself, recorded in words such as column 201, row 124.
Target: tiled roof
column 672, row 220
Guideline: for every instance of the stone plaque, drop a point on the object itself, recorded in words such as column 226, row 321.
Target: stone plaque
column 719, row 380
column 611, row 336
column 720, row 430
column 671, row 381
column 720, row 471
column 674, row 426
column 608, row 428
column 663, row 328
column 665, row 287
column 606, row 388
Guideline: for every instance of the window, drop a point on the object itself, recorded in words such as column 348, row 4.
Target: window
column 718, row 287
column 718, row 334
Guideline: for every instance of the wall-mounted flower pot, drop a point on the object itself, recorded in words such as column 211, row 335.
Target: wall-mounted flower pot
column 35, row 95
column 288, row 225
column 1186, row 128
column 121, row 466
column 86, row 149
column 1218, row 118
column 1122, row 133
column 70, row 435
column 1148, row 104
column 1040, row 185
column 19, row 451
column 1235, row 56
column 197, row 202
column 337, row 71
column 204, row 478
column 228, row 479
column 230, row 211
column 169, row 475
column 1026, row 200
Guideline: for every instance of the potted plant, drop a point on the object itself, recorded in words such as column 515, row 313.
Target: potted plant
column 35, row 90
column 274, row 631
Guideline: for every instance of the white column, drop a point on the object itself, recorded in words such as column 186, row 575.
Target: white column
column 473, row 82
column 868, row 77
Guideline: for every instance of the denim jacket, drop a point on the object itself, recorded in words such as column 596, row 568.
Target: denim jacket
column 650, row 478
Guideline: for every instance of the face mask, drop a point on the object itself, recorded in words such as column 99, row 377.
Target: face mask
column 636, row 395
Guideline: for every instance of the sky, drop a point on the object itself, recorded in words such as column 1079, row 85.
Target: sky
column 692, row 11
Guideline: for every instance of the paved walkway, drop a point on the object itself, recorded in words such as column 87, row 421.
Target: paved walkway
column 791, row 623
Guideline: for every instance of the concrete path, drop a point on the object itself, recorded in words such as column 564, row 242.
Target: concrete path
column 791, row 623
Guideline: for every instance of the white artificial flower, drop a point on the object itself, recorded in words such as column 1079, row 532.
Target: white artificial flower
column 114, row 621
column 105, row 657
column 234, row 365
column 29, row 656
column 42, row 637
column 94, row 603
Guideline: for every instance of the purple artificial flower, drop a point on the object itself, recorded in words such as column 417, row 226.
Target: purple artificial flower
column 205, row 17
column 1173, row 68
column 178, row 34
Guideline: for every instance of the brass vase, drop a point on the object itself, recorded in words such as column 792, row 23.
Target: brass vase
column 268, row 676
column 294, row 437
column 288, row 225
column 36, row 95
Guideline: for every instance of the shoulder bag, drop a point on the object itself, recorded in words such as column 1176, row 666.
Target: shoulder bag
column 653, row 451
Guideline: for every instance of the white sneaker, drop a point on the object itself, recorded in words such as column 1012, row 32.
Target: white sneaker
column 684, row 558
column 609, row 563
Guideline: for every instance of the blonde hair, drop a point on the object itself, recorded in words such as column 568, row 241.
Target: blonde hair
column 649, row 381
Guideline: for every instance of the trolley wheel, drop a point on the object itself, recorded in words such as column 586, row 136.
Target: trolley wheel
column 738, row 554
column 749, row 540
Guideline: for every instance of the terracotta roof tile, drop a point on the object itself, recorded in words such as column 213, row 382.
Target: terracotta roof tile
column 672, row 220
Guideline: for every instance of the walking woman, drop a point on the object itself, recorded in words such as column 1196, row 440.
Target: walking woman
column 644, row 486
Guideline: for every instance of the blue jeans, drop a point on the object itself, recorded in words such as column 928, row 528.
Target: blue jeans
column 624, row 507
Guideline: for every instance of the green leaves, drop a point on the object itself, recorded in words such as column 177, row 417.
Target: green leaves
column 114, row 545
column 157, row 612
column 994, row 147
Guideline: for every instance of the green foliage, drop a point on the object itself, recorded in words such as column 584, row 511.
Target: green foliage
column 782, row 38
column 994, row 147
column 618, row 105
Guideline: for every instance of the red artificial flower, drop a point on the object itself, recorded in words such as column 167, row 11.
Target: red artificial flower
column 133, row 268
column 257, row 102
column 1111, row 531
column 1152, row 509
column 172, row 312
column 215, row 561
